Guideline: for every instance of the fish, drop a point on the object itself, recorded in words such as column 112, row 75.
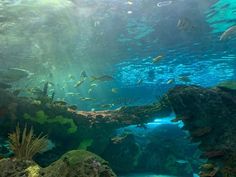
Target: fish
column 157, row 59
column 93, row 85
column 90, row 90
column 14, row 74
column 60, row 102
column 184, row 79
column 83, row 74
column 140, row 81
column 185, row 24
column 207, row 166
column 129, row 2
column 35, row 91
column 16, row 92
column 181, row 161
column 229, row 33
column 4, row 85
column 79, row 83
column 102, row 78
column 170, row 81
column 114, row 90
column 164, row 3
column 87, row 99
column 73, row 107
column 107, row 105
column 72, row 94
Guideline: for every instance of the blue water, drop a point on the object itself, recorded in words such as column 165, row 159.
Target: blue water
column 103, row 37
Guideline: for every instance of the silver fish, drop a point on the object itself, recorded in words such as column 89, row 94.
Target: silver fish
column 229, row 33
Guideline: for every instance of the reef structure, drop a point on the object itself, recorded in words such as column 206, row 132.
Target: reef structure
column 74, row 163
column 208, row 114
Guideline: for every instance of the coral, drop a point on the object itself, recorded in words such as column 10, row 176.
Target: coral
column 33, row 171
column 228, row 171
column 25, row 145
column 209, row 173
column 42, row 118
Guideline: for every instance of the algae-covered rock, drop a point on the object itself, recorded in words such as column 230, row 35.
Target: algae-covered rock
column 228, row 85
column 15, row 168
column 78, row 163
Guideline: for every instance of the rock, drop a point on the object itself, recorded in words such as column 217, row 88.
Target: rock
column 76, row 163
column 14, row 168
column 211, row 120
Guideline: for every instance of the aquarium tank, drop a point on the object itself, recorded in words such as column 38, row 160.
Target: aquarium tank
column 117, row 88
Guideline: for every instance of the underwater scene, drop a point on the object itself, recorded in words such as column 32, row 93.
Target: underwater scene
column 117, row 88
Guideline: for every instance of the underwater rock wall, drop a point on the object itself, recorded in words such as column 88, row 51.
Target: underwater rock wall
column 64, row 124
column 209, row 114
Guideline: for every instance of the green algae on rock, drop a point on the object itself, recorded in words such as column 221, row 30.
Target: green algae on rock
column 75, row 163
column 79, row 163
column 42, row 118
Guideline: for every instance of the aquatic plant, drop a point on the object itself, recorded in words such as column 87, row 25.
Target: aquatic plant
column 25, row 145
column 42, row 118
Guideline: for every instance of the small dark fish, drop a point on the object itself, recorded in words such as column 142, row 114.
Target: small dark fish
column 60, row 102
column 185, row 24
column 83, row 74
column 140, row 81
column 53, row 96
column 16, row 92
column 73, row 107
column 184, row 79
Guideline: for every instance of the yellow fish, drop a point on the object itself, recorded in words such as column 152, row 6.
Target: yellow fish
column 157, row 59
